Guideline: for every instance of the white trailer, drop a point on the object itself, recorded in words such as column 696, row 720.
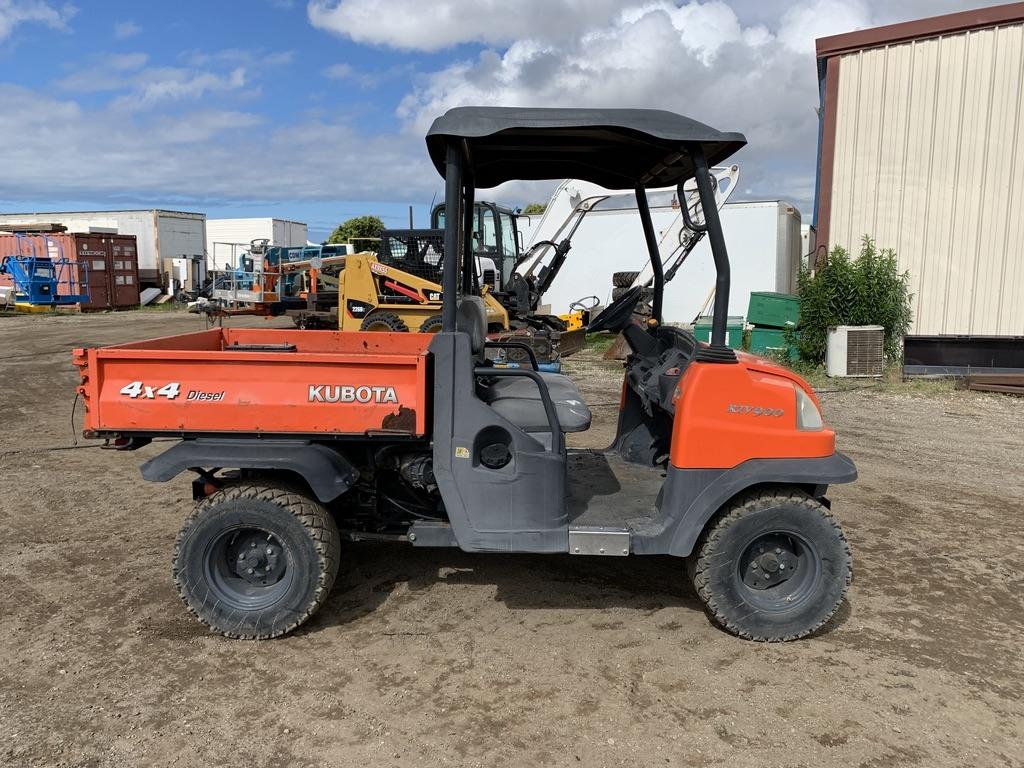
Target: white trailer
column 161, row 236
column 222, row 234
column 763, row 239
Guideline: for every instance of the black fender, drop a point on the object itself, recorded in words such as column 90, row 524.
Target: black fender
column 690, row 497
column 328, row 473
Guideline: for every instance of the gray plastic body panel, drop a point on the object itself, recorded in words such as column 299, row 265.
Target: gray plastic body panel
column 690, row 497
column 328, row 473
column 518, row 508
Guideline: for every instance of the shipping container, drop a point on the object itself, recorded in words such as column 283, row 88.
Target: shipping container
column 107, row 264
column 161, row 235
column 226, row 239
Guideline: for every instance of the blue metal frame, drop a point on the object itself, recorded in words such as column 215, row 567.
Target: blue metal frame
column 38, row 279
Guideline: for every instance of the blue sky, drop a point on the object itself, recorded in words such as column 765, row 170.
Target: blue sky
column 316, row 111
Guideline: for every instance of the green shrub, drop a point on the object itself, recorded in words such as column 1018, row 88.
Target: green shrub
column 361, row 231
column 866, row 290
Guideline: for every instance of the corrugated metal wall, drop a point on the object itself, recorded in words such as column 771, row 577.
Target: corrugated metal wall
column 929, row 160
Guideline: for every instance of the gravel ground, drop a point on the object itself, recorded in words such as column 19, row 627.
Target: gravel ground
column 428, row 658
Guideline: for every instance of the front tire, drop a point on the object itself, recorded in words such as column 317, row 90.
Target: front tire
column 255, row 561
column 774, row 566
column 388, row 322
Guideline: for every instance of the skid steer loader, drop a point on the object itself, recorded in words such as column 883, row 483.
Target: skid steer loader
column 299, row 439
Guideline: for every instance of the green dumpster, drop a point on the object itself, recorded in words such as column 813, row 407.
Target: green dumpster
column 733, row 331
column 773, row 310
column 771, row 341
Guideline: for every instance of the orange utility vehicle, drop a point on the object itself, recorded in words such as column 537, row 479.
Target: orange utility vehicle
column 299, row 439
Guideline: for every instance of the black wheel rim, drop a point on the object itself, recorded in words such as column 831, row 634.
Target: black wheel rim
column 247, row 568
column 779, row 571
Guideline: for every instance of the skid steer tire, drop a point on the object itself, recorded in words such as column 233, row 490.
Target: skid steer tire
column 388, row 322
column 431, row 325
column 254, row 561
column 773, row 566
column 645, row 295
column 624, row 279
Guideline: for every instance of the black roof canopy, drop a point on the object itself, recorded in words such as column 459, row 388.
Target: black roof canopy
column 616, row 148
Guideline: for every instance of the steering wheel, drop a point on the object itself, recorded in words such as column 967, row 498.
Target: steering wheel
column 619, row 313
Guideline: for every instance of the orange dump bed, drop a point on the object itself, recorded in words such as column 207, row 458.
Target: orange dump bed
column 275, row 382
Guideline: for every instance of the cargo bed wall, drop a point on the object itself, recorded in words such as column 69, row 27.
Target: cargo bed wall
column 268, row 382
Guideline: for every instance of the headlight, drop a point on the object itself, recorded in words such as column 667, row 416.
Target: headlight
column 808, row 418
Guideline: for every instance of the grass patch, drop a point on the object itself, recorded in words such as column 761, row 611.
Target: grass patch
column 167, row 306
column 891, row 381
column 599, row 342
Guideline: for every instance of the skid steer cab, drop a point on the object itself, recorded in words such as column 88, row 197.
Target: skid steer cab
column 298, row 440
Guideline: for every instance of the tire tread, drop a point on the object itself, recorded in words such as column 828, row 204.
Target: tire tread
column 739, row 508
column 313, row 517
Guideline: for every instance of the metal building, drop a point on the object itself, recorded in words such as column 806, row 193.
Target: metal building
column 921, row 146
column 169, row 242
column 222, row 234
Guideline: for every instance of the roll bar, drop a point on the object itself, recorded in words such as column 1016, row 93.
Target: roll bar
column 452, row 222
column 652, row 248
column 713, row 224
column 459, row 196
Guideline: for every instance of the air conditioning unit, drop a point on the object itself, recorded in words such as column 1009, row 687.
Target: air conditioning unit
column 855, row 350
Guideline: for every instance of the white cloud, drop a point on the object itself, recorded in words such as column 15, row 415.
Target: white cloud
column 438, row 24
column 15, row 12
column 109, row 72
column 173, row 84
column 125, row 29
column 106, row 154
column 700, row 59
column 339, row 71
column 802, row 24
column 221, row 72
column 185, row 133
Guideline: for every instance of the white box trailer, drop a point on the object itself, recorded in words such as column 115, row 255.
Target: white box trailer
column 161, row 235
column 763, row 239
column 222, row 234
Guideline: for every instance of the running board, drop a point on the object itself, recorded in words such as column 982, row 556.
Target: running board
column 598, row 540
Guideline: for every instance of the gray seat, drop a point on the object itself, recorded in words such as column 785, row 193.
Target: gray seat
column 517, row 398
column 519, row 401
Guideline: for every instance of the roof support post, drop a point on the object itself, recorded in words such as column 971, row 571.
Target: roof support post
column 652, row 249
column 469, row 247
column 452, row 222
column 706, row 190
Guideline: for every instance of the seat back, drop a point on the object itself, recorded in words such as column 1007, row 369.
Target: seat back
column 471, row 319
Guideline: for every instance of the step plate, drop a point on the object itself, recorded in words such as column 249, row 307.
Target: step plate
column 599, row 540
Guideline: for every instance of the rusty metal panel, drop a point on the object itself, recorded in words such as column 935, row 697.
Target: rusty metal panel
column 91, row 250
column 928, row 161
column 124, row 270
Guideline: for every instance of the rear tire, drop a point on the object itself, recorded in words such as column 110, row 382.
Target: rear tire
column 388, row 322
column 256, row 561
column 624, row 279
column 431, row 325
column 774, row 566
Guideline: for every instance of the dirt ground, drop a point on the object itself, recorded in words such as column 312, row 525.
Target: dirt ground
column 436, row 657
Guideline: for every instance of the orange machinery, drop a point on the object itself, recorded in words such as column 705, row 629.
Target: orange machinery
column 301, row 438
